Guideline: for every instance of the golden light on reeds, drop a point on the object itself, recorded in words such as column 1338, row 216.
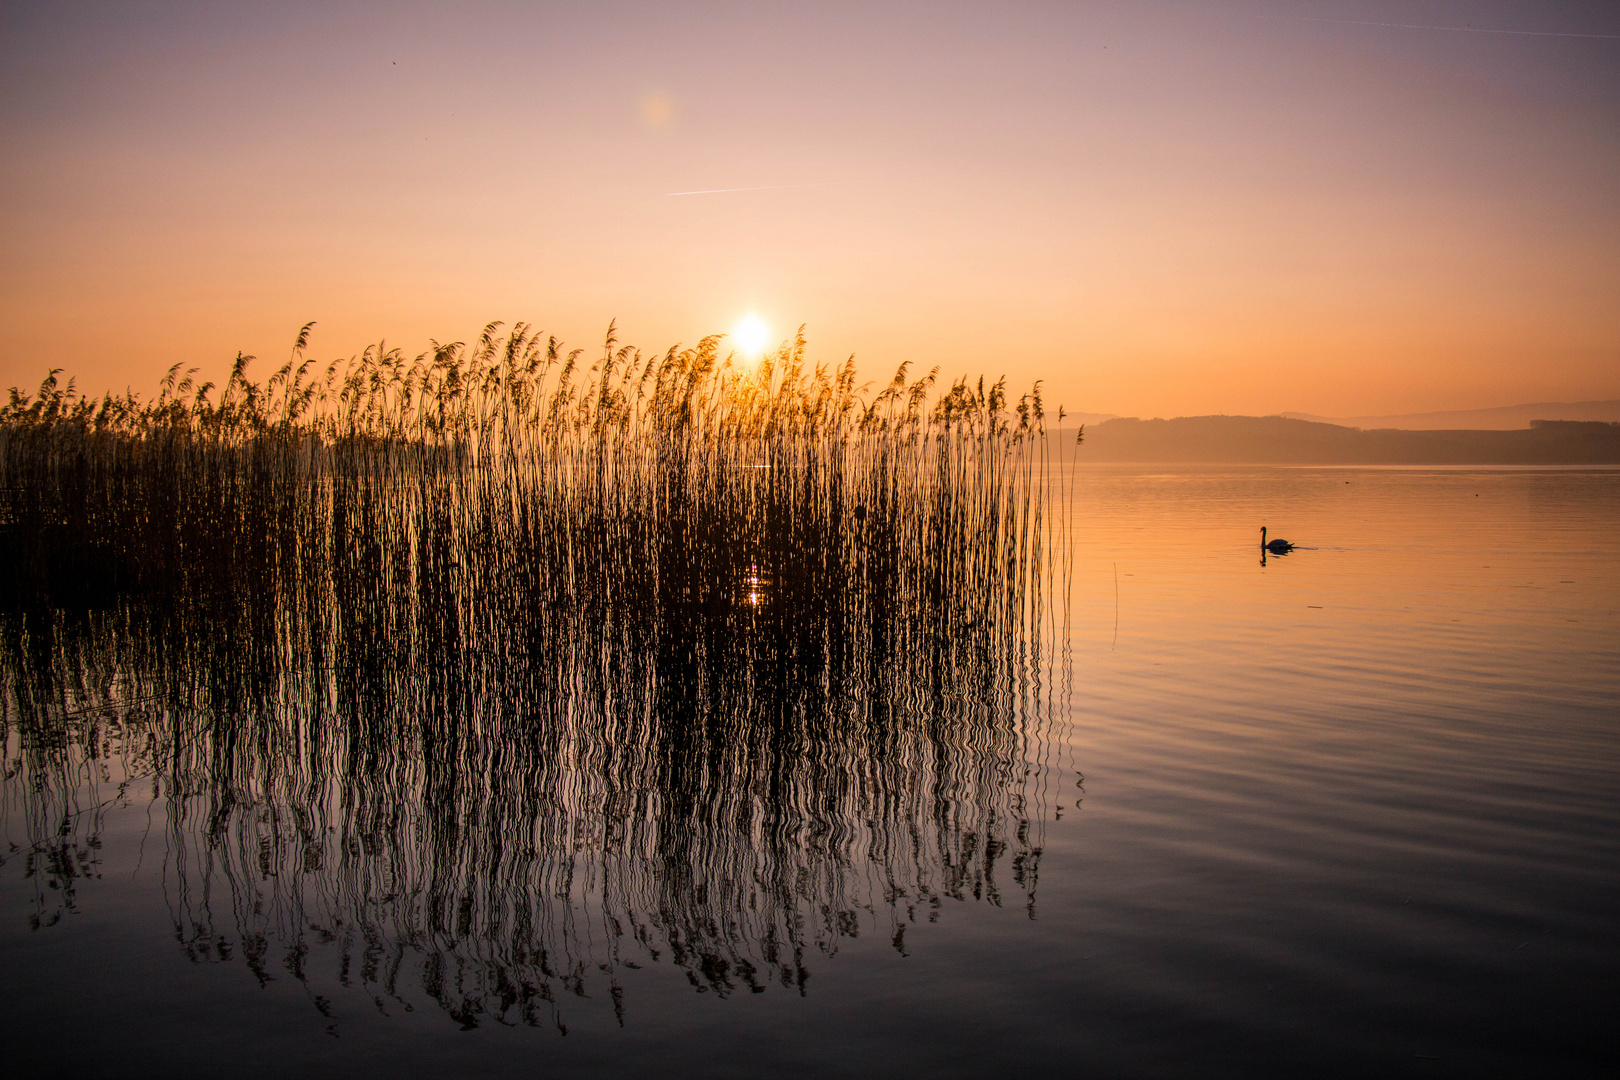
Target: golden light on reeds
column 514, row 663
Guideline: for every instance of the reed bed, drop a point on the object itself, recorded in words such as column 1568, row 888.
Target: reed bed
column 483, row 670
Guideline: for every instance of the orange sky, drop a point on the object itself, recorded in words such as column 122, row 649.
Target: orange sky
column 1159, row 208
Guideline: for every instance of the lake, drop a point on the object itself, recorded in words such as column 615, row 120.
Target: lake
column 1354, row 810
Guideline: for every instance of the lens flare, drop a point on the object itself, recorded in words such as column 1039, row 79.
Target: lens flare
column 657, row 110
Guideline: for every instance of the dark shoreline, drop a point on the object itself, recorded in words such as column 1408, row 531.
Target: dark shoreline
column 1276, row 440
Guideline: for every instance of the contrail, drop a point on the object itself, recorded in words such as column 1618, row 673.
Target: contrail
column 1464, row 29
column 762, row 187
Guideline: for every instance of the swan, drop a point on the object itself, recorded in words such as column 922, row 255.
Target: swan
column 1276, row 547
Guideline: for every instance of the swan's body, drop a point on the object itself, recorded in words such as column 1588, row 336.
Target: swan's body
column 1276, row 547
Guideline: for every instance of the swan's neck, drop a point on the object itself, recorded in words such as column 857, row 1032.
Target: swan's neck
column 1262, row 536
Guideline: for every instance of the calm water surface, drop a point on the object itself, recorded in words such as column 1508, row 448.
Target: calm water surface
column 1352, row 811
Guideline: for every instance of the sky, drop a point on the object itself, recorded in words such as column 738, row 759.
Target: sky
column 1157, row 208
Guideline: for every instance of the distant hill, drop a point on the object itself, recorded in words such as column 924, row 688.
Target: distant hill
column 1501, row 419
column 1280, row 440
column 1070, row 419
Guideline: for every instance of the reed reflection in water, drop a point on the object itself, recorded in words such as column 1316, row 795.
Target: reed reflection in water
column 496, row 719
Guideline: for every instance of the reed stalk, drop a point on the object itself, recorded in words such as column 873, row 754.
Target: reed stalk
column 491, row 668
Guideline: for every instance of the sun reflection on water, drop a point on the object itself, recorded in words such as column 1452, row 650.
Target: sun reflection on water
column 754, row 584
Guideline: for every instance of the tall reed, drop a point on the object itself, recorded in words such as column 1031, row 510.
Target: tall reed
column 489, row 663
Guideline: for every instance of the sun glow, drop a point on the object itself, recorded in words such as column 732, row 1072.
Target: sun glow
column 750, row 336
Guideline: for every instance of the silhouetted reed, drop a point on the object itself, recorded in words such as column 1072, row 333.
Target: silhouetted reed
column 493, row 671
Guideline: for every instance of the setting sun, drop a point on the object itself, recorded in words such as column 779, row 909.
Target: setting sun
column 750, row 336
